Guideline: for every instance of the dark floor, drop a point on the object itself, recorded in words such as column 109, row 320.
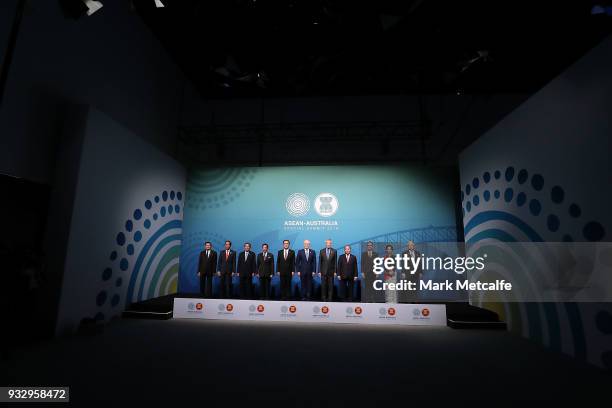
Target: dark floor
column 220, row 363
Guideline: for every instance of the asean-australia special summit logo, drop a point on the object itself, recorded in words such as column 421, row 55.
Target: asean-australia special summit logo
column 298, row 204
column 326, row 204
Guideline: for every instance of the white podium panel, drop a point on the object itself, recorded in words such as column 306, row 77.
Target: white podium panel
column 331, row 312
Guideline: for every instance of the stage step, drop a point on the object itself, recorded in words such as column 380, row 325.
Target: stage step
column 157, row 308
column 135, row 314
column 463, row 324
column 466, row 316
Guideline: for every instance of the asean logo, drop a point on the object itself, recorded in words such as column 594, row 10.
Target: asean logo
column 325, row 310
column 326, row 204
column 199, row 306
column 358, row 310
column 292, row 309
column 229, row 307
column 391, row 311
column 297, row 204
column 260, row 308
column 425, row 312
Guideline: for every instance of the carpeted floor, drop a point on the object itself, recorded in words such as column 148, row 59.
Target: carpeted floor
column 214, row 363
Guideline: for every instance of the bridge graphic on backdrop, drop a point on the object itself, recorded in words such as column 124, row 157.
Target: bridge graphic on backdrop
column 428, row 234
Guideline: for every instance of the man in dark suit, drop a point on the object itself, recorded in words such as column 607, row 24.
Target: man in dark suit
column 206, row 269
column 347, row 272
column 246, row 269
column 265, row 271
column 306, row 267
column 285, row 268
column 327, row 270
column 411, row 296
column 367, row 274
column 226, row 268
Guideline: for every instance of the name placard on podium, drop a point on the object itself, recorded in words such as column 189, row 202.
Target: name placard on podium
column 327, row 312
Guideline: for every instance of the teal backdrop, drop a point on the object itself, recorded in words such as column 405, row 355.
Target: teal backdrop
column 349, row 204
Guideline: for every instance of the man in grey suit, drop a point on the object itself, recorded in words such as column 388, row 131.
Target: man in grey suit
column 367, row 274
column 327, row 270
column 412, row 296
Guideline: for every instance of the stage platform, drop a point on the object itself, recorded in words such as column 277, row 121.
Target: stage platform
column 319, row 312
column 458, row 315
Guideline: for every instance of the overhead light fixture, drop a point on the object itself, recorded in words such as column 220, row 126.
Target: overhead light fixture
column 92, row 6
column 159, row 4
column 78, row 8
column 481, row 55
column 599, row 9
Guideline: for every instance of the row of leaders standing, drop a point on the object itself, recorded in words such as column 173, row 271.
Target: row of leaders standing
column 247, row 264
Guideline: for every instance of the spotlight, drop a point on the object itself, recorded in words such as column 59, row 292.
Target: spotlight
column 159, row 4
column 92, row 6
column 599, row 10
column 77, row 8
column 481, row 55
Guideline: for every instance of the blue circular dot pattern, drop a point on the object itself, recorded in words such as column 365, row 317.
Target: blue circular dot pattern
column 552, row 222
column 535, row 207
column 557, row 194
column 593, row 231
column 101, row 298
column 537, row 182
column 125, row 256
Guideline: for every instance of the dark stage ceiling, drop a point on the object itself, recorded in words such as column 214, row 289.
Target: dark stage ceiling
column 276, row 48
